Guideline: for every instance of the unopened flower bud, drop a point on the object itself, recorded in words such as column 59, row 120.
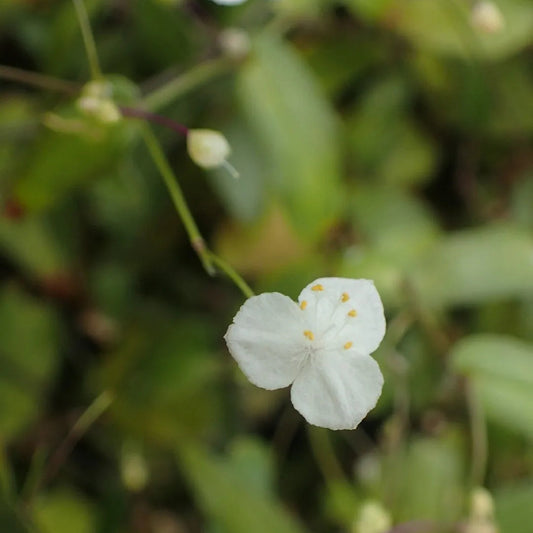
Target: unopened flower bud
column 235, row 43
column 481, row 503
column 96, row 101
column 133, row 468
column 208, row 148
column 481, row 517
column 372, row 518
column 486, row 17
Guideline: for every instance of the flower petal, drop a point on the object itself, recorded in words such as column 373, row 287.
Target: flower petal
column 348, row 310
column 337, row 388
column 267, row 340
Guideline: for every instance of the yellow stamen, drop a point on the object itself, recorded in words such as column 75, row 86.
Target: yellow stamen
column 309, row 334
column 352, row 313
column 303, row 305
column 317, row 287
column 348, row 345
column 344, row 297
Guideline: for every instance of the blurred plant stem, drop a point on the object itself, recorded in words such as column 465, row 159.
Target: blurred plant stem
column 160, row 161
column 98, row 406
column 478, row 433
column 185, row 82
column 34, row 79
column 427, row 319
column 232, row 274
column 324, row 454
column 88, row 39
column 399, row 368
column 207, row 257
column 7, row 477
column 37, row 465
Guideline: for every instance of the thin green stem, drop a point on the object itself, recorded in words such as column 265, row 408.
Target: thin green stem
column 37, row 80
column 324, row 454
column 98, row 406
column 185, row 82
column 232, row 274
column 478, row 433
column 88, row 39
column 37, row 466
column 7, row 477
column 176, row 194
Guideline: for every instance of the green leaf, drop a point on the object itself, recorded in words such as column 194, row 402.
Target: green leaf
column 28, row 358
column 64, row 511
column 369, row 9
column 394, row 221
column 163, row 374
column 231, row 500
column 243, row 198
column 522, row 200
column 12, row 520
column 455, row 36
column 386, row 143
column 501, row 369
column 513, row 507
column 478, row 265
column 30, row 243
column 75, row 149
column 298, row 130
column 439, row 463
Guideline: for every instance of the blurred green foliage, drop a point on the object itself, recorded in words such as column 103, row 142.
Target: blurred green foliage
column 387, row 139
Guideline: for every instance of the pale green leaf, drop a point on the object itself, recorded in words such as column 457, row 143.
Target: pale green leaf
column 501, row 369
column 455, row 36
column 219, row 486
column 478, row 265
column 28, row 358
column 298, row 130
column 64, row 511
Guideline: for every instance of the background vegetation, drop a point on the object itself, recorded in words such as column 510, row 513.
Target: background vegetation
column 387, row 139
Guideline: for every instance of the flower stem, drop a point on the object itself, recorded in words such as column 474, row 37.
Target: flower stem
column 478, row 433
column 98, row 406
column 183, row 83
column 37, row 80
column 324, row 454
column 132, row 112
column 88, row 39
column 232, row 274
column 176, row 194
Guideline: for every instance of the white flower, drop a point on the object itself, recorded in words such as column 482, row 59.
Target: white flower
column 321, row 345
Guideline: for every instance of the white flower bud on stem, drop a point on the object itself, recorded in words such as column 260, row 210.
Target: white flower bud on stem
column 209, row 149
column 96, row 101
column 372, row 518
column 486, row 17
